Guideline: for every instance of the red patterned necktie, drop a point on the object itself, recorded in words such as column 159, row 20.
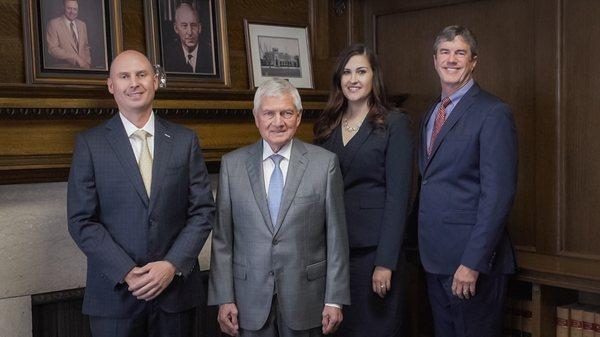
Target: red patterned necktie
column 439, row 121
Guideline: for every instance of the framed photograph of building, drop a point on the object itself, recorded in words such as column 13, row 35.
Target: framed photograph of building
column 70, row 41
column 278, row 50
column 188, row 38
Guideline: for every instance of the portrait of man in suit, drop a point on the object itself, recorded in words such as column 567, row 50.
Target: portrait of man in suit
column 279, row 263
column 468, row 174
column 67, row 39
column 188, row 52
column 140, row 207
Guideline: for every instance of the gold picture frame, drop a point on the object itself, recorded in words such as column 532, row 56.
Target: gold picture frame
column 71, row 42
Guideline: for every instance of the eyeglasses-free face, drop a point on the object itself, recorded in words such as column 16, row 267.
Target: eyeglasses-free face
column 277, row 120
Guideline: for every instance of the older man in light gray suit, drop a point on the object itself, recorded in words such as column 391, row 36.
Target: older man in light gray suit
column 280, row 249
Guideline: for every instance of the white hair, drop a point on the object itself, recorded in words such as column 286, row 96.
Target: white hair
column 276, row 87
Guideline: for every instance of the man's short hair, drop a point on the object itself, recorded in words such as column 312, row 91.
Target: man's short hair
column 451, row 32
column 276, row 87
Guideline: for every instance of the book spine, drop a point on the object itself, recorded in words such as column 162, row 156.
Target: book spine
column 576, row 322
column 588, row 323
column 562, row 321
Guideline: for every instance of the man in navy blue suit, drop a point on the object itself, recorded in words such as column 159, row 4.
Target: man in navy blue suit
column 140, row 207
column 468, row 169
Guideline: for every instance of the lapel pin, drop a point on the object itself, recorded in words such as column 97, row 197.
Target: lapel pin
column 168, row 136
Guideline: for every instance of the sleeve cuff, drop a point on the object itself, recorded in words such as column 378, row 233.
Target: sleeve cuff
column 333, row 305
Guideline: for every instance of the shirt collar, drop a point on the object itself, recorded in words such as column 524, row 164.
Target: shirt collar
column 285, row 151
column 193, row 52
column 130, row 128
column 68, row 22
column 458, row 94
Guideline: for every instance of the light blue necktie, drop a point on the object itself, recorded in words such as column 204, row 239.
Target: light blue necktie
column 275, row 189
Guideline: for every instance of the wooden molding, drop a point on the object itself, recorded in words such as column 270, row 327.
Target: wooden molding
column 203, row 110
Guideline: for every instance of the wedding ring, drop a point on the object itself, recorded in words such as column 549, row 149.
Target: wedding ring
column 381, row 286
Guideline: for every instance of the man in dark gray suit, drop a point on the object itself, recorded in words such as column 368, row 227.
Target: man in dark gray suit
column 280, row 248
column 140, row 208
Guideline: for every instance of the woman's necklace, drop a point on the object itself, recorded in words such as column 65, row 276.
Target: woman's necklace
column 347, row 127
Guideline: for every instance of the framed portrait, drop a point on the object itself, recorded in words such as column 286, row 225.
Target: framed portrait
column 278, row 50
column 188, row 38
column 70, row 41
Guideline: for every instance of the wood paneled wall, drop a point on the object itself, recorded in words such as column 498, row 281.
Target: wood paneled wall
column 37, row 133
column 580, row 127
column 537, row 55
column 331, row 31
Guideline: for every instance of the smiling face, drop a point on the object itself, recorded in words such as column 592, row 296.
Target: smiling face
column 454, row 63
column 71, row 9
column 187, row 27
column 357, row 79
column 132, row 82
column 277, row 120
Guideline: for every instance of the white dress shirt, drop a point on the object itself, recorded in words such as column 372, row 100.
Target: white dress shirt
column 136, row 144
column 269, row 165
column 68, row 24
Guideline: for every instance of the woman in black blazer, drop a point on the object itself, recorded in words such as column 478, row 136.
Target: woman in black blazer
column 374, row 147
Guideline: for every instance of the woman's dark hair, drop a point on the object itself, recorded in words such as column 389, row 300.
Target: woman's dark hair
column 331, row 116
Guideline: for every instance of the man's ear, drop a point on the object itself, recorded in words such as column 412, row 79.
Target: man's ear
column 109, row 84
column 155, row 80
column 474, row 60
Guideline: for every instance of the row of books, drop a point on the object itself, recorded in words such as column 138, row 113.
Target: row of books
column 577, row 320
column 517, row 319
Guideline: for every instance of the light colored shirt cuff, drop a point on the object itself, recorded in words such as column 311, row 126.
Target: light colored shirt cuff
column 333, row 305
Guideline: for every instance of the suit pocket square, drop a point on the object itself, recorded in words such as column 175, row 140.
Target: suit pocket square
column 316, row 270
column 460, row 218
column 239, row 272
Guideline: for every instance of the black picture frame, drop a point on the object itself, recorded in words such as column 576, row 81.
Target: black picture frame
column 211, row 68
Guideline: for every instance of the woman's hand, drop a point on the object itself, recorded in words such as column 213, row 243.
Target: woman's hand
column 382, row 281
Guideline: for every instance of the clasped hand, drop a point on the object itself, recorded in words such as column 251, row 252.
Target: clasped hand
column 149, row 281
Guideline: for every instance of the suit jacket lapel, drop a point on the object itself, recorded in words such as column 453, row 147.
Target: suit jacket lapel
column 423, row 144
column 296, row 168
column 255, row 174
column 163, row 143
column 117, row 138
column 354, row 144
column 463, row 106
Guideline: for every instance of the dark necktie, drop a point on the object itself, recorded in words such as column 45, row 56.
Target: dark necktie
column 189, row 60
column 439, row 122
column 74, row 37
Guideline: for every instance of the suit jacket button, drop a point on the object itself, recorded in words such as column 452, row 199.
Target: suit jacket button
column 271, row 273
column 425, row 182
column 275, row 242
